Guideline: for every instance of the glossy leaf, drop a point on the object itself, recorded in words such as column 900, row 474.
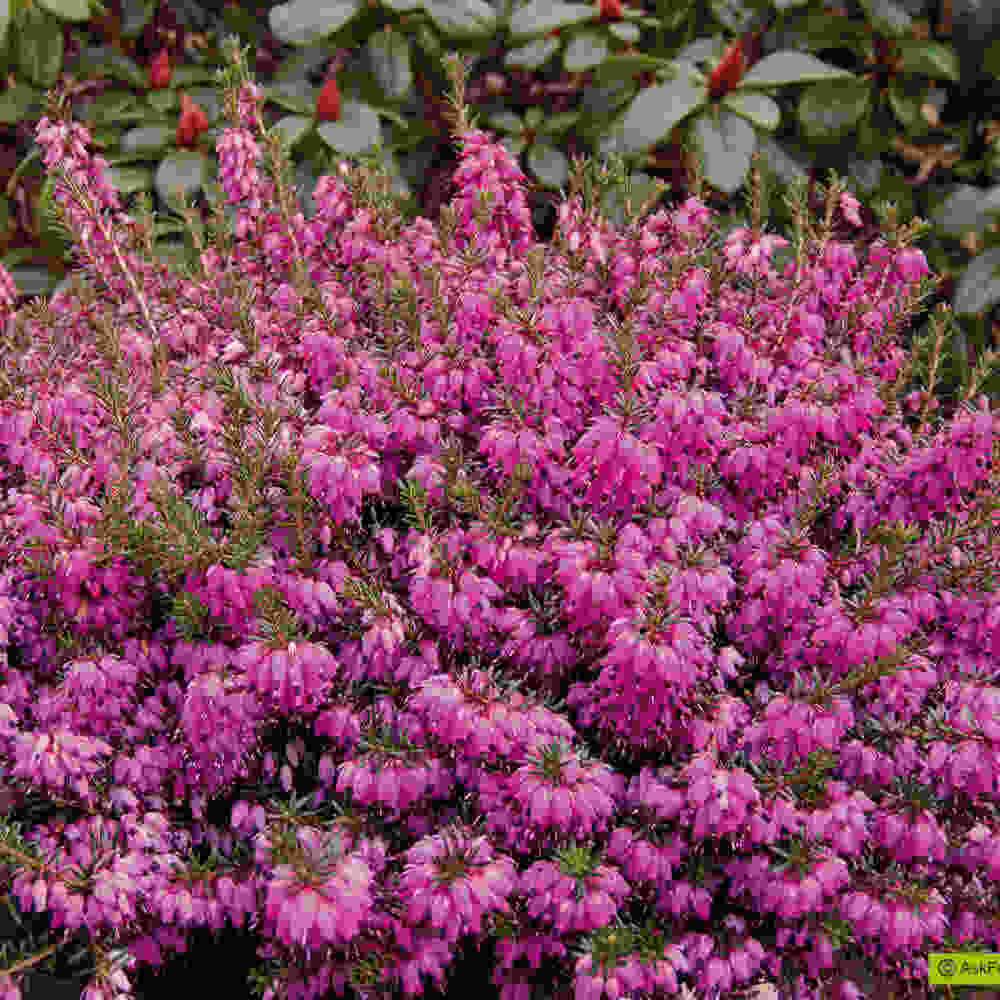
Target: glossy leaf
column 789, row 168
column 757, row 108
column 558, row 123
column 787, row 67
column 542, row 16
column 389, row 55
column 625, row 31
column 586, row 50
column 297, row 95
column 105, row 61
column 887, row 17
column 727, row 145
column 657, row 109
column 828, row 111
column 38, row 40
column 302, row 22
column 506, row 121
column 733, row 15
column 187, row 75
column 146, row 139
column 462, row 18
column 293, row 128
column 183, row 170
column 905, row 104
column 162, row 101
column 357, row 130
column 531, row 56
column 136, row 14
column 967, row 209
column 979, row 288
column 68, row 10
column 16, row 101
column 128, row 180
column 548, row 164
column 930, row 59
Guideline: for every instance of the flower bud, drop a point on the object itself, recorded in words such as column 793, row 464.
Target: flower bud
column 328, row 102
column 191, row 124
column 160, row 71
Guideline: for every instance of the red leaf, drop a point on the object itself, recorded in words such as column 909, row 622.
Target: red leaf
column 611, row 10
column 160, row 71
column 328, row 102
column 727, row 74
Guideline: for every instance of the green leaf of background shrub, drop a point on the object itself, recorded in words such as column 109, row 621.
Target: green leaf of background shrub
column 357, row 130
column 727, row 142
column 303, row 21
column 541, row 17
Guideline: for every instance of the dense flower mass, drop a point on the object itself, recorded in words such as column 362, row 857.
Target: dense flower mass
column 395, row 588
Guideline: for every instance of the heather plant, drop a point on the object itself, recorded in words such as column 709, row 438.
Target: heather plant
column 619, row 607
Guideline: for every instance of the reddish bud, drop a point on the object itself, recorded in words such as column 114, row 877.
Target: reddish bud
column 328, row 102
column 160, row 71
column 192, row 122
column 611, row 10
column 727, row 74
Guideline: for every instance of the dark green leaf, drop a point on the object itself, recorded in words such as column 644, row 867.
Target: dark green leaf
column 586, row 50
column 887, row 18
column 39, row 43
column 967, row 209
column 930, row 59
column 979, row 288
column 162, row 101
column 293, row 128
column 147, row 139
column 183, row 170
column 531, row 56
column 389, row 54
column 555, row 124
column 136, row 14
column 788, row 67
column 541, row 16
column 128, row 180
column 506, row 121
column 16, row 101
column 68, row 10
column 788, row 167
column 186, row 75
column 733, row 15
column 829, row 110
column 462, row 18
column 294, row 95
column 32, row 280
column 303, row 22
column 757, row 108
column 905, row 103
column 113, row 106
column 625, row 31
column 657, row 109
column 104, row 61
column 357, row 130
column 727, row 146
column 548, row 164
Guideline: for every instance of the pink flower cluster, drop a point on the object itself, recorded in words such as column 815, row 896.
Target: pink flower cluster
column 670, row 677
